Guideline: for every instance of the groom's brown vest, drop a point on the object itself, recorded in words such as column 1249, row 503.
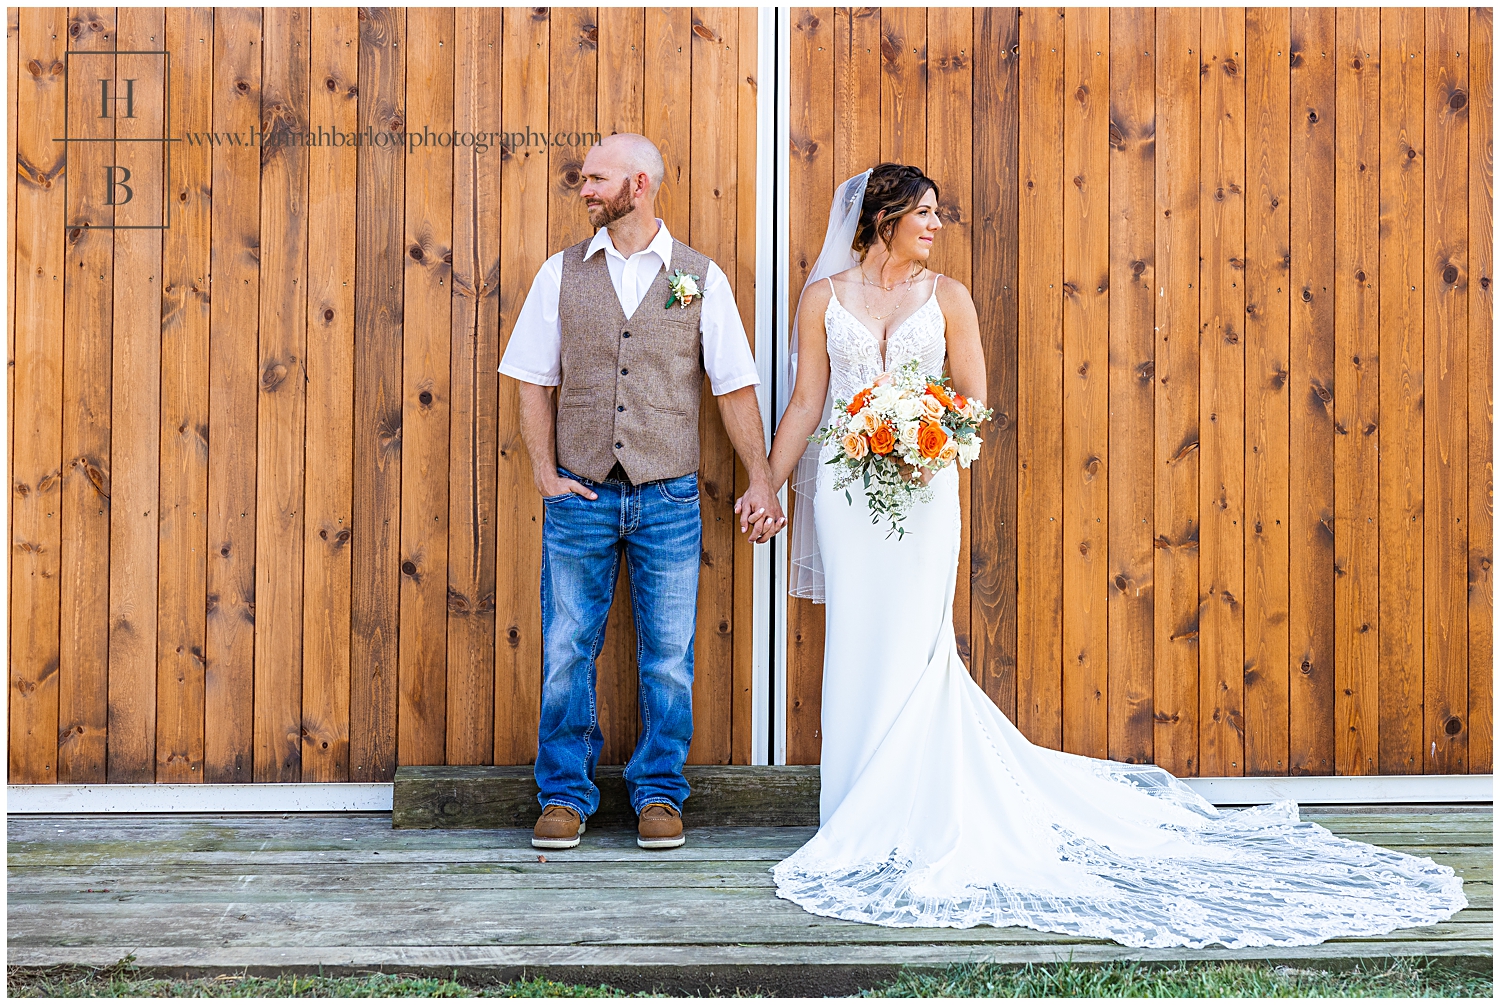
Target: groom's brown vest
column 630, row 386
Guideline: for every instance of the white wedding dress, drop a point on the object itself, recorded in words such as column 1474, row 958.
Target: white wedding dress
column 936, row 811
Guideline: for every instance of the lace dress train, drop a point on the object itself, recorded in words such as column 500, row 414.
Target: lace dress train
column 936, row 810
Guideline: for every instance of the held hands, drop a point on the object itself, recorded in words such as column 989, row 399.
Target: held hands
column 907, row 469
column 760, row 513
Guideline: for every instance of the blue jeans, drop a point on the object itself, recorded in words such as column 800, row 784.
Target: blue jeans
column 657, row 528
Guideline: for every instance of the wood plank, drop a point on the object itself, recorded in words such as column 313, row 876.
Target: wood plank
column 233, row 390
column 518, row 507
column 811, row 184
column 378, row 322
column 669, row 54
column 328, row 521
column 723, row 796
column 1039, row 377
column 1085, row 382
column 13, row 68
column 618, row 711
column 1402, row 54
column 475, row 277
column 40, row 261
column 135, row 453
column 1356, row 447
column 858, row 55
column 1221, row 402
column 996, row 249
column 635, row 917
column 745, row 700
column 1445, row 436
column 950, row 163
column 282, row 402
column 1267, row 400
column 1311, row 572
column 903, row 85
column 422, row 701
column 617, row 675
column 713, row 211
column 622, row 69
column 699, row 970
column 1481, row 389
column 1131, row 393
column 182, row 547
column 1177, row 372
column 88, row 302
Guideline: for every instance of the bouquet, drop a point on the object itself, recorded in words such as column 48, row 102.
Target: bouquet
column 895, row 428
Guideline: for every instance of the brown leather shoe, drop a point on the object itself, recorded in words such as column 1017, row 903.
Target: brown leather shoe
column 660, row 827
column 557, row 828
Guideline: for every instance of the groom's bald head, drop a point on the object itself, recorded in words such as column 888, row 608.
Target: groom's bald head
column 621, row 174
column 636, row 154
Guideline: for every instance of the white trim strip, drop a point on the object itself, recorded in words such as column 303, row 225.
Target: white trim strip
column 1309, row 790
column 270, row 797
column 765, row 355
column 335, row 797
column 782, row 378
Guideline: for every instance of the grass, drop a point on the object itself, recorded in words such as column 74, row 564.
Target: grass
column 1401, row 979
column 1378, row 979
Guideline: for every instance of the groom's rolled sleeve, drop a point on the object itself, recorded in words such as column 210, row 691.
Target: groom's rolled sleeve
column 726, row 351
column 534, row 352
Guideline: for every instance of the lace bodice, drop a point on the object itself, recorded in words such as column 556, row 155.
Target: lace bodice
column 854, row 351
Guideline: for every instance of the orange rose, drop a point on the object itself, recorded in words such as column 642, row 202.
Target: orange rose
column 856, row 446
column 860, row 401
column 931, row 439
column 941, row 394
column 959, row 402
column 884, row 439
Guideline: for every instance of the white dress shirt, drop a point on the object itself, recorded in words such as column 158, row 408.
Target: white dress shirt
column 534, row 353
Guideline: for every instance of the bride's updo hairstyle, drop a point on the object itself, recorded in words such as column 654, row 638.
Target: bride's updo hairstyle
column 896, row 189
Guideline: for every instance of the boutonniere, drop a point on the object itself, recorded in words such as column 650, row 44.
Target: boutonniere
column 684, row 287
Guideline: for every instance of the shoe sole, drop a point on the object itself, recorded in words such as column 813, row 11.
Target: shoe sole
column 661, row 844
column 558, row 844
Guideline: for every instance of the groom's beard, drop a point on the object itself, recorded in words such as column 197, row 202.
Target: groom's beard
column 607, row 211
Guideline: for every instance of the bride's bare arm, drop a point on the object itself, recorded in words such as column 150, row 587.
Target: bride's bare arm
column 965, row 350
column 805, row 410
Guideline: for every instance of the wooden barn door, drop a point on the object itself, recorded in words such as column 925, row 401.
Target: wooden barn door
column 272, row 519
column 1233, row 269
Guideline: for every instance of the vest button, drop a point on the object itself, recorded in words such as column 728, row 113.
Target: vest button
column 624, row 371
column 618, row 444
column 625, row 334
column 619, row 408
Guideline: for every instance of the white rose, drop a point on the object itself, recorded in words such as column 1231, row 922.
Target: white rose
column 867, row 421
column 907, row 432
column 968, row 451
column 689, row 287
column 909, row 408
column 884, row 397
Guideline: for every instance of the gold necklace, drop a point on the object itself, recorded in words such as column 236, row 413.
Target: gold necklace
column 911, row 277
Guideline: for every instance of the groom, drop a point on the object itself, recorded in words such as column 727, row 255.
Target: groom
column 623, row 327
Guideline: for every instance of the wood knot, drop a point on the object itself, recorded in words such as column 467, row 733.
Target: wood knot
column 1457, row 101
column 408, row 568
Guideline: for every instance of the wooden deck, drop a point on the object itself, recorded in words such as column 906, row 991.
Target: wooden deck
column 209, row 894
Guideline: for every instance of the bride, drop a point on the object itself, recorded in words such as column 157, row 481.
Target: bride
column 935, row 810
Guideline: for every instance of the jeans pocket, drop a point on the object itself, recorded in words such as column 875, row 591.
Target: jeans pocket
column 679, row 490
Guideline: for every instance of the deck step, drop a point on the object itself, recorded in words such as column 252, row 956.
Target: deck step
column 491, row 797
